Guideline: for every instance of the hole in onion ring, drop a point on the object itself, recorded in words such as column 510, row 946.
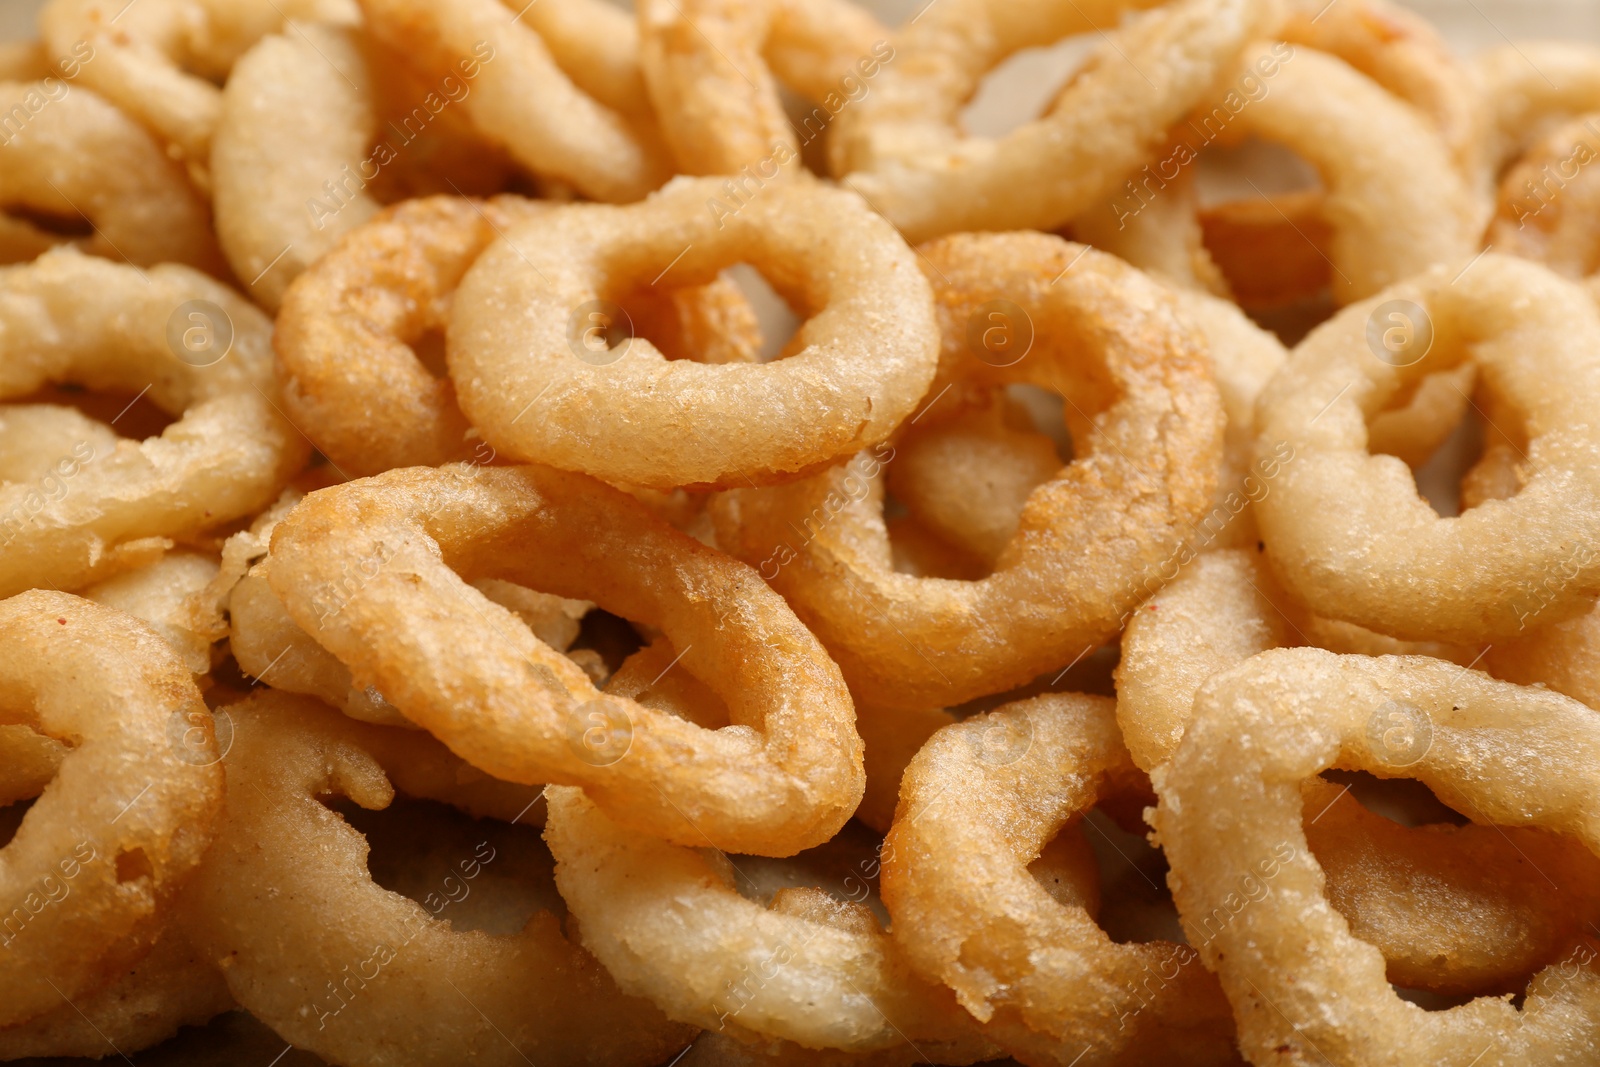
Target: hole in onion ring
column 128, row 415
column 1023, row 86
column 777, row 318
column 132, row 866
column 610, row 638
column 59, row 223
column 416, row 847
column 429, row 349
column 11, row 817
column 1401, row 800
column 1136, row 905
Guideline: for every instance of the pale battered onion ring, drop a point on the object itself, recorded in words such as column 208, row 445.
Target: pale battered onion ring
column 596, row 44
column 1549, row 202
column 865, row 355
column 1304, row 989
column 270, row 647
column 363, row 568
column 1407, row 891
column 284, row 864
column 1530, row 85
column 899, row 146
column 966, row 478
column 140, row 57
column 713, row 67
column 74, row 318
column 172, row 987
column 349, row 329
column 297, row 113
column 90, row 874
column 1103, row 334
column 1346, row 531
column 668, row 923
column 978, row 804
column 521, row 98
column 1404, row 53
column 1395, row 203
column 77, row 153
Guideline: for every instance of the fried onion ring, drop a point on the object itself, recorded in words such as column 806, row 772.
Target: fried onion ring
column 521, row 98
column 349, row 331
column 1404, row 53
column 1087, row 539
column 978, row 804
column 1549, row 202
column 1495, row 569
column 1395, row 203
column 899, row 145
column 91, row 872
column 1251, row 895
column 527, row 380
column 202, row 353
column 283, row 863
column 160, row 61
column 172, row 987
column 77, row 153
column 700, row 56
column 298, row 112
column 1528, row 86
column 365, row 569
column 668, row 923
column 1222, row 611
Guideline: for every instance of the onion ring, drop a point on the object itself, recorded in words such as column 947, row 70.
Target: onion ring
column 140, row 59
column 262, row 898
column 668, row 923
column 1146, row 469
column 298, row 112
column 978, row 804
column 699, row 58
column 1528, row 86
column 1494, row 570
column 349, row 328
column 1403, row 207
column 362, row 567
column 199, row 350
column 1222, row 611
column 172, row 987
column 899, row 146
column 90, row 874
column 522, row 99
column 1404, row 53
column 527, row 380
column 1514, row 756
column 76, row 153
column 1549, row 200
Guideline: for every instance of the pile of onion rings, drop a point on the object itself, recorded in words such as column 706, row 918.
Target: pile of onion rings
column 719, row 533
